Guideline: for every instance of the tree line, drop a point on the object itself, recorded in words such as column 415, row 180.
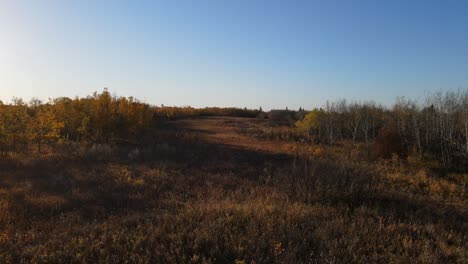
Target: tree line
column 436, row 128
column 99, row 118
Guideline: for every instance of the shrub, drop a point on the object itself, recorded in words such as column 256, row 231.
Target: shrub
column 100, row 152
column 388, row 142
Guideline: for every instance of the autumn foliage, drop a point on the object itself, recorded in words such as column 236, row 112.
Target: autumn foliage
column 434, row 130
column 100, row 118
column 211, row 192
column 107, row 179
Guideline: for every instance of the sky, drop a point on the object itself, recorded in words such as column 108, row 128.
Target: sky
column 242, row 53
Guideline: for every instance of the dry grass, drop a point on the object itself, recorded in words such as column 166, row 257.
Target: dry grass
column 207, row 193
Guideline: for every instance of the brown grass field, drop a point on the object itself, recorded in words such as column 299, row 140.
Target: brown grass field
column 210, row 190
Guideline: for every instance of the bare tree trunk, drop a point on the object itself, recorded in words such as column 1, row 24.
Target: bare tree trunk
column 417, row 136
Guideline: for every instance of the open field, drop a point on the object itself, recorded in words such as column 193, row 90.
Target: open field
column 210, row 190
column 243, row 132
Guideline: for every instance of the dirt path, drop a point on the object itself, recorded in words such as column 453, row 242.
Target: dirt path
column 233, row 132
column 227, row 145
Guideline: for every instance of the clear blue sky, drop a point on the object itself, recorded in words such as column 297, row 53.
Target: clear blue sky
column 233, row 53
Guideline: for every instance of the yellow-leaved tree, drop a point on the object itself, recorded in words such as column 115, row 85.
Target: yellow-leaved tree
column 311, row 122
column 45, row 127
